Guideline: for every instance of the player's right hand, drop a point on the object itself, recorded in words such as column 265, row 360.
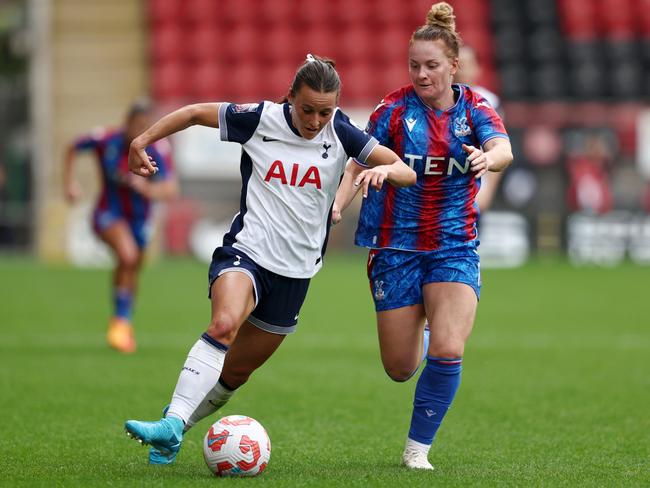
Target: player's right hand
column 479, row 161
column 140, row 163
column 374, row 177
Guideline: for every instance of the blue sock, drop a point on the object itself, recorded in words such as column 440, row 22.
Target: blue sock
column 434, row 393
column 123, row 300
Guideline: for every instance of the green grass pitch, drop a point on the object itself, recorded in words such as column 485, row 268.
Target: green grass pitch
column 555, row 390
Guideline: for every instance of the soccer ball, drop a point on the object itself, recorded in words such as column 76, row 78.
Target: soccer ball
column 237, row 445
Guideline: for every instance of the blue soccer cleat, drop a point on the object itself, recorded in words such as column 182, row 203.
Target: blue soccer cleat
column 158, row 457
column 164, row 435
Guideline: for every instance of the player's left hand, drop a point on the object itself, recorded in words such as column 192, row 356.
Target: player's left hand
column 479, row 162
column 140, row 163
column 374, row 177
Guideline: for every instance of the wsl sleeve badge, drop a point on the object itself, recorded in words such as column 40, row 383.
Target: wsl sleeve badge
column 242, row 108
column 236, row 445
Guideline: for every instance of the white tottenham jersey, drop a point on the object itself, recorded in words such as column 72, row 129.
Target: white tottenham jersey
column 288, row 184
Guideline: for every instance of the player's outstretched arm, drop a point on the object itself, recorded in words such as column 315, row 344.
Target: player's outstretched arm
column 206, row 114
column 385, row 165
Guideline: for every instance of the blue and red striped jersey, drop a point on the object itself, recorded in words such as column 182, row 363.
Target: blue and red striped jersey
column 112, row 153
column 438, row 212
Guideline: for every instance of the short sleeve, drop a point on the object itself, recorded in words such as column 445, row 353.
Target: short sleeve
column 379, row 122
column 378, row 127
column 486, row 122
column 238, row 122
column 356, row 143
column 90, row 141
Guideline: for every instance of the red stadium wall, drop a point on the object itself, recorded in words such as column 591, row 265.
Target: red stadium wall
column 245, row 50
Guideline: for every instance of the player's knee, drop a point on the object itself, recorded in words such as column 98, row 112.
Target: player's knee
column 400, row 373
column 223, row 328
column 447, row 349
column 129, row 259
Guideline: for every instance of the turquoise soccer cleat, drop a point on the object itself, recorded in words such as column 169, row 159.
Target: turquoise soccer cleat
column 164, row 435
column 158, row 457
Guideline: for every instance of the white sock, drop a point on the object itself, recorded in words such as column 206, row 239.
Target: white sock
column 200, row 373
column 412, row 445
column 213, row 401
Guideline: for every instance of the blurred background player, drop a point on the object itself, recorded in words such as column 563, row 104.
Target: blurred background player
column 122, row 212
column 469, row 71
column 293, row 158
column 423, row 262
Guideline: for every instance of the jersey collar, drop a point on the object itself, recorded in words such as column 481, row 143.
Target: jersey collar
column 458, row 93
column 287, row 117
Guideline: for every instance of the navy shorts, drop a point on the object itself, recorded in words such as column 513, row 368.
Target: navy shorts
column 278, row 299
column 397, row 277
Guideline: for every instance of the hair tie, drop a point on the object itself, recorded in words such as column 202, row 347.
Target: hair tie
column 310, row 58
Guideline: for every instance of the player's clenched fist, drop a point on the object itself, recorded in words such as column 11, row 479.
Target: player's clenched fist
column 140, row 162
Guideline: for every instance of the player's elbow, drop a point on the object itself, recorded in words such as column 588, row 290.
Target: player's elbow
column 504, row 155
column 508, row 157
column 205, row 114
column 192, row 113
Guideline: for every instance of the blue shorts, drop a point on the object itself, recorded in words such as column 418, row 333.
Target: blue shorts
column 278, row 299
column 397, row 277
column 140, row 229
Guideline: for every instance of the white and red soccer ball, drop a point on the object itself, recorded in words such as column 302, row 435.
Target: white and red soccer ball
column 236, row 445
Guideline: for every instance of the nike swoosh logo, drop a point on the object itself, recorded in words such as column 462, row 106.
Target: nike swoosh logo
column 269, row 139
